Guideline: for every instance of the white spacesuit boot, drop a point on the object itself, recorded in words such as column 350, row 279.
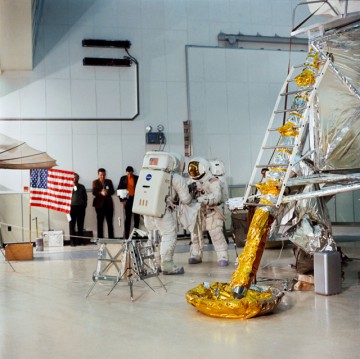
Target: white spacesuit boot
column 215, row 227
column 167, row 228
column 154, row 240
column 154, row 243
column 156, row 248
column 220, row 246
column 196, row 247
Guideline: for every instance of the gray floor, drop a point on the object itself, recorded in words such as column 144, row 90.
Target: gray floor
column 44, row 312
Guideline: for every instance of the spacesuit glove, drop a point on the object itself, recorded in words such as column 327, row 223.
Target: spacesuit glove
column 171, row 205
column 203, row 200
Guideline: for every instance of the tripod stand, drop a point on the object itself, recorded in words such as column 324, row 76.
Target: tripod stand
column 131, row 259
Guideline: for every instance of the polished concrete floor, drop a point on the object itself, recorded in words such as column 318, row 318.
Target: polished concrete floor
column 44, row 312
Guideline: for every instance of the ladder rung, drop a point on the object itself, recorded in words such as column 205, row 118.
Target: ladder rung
column 267, row 166
column 253, row 204
column 277, row 184
column 292, row 109
column 275, row 129
column 306, row 65
column 308, row 89
column 275, row 147
column 254, row 184
column 288, row 184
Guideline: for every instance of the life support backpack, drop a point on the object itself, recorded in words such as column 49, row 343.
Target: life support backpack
column 154, row 185
column 217, row 169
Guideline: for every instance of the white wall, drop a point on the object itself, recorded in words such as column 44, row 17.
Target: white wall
column 59, row 87
column 232, row 95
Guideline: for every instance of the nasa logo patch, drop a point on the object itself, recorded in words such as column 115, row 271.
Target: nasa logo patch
column 148, row 177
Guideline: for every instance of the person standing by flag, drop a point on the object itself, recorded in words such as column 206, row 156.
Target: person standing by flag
column 77, row 212
column 128, row 182
column 103, row 189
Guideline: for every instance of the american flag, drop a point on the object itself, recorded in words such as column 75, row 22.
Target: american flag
column 51, row 188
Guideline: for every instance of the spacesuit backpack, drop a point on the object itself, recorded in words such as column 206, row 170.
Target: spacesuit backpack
column 217, row 169
column 154, row 184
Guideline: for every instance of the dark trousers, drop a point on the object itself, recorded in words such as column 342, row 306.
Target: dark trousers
column 101, row 214
column 77, row 214
column 128, row 215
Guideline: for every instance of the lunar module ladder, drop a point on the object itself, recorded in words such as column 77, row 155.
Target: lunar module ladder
column 131, row 261
column 296, row 147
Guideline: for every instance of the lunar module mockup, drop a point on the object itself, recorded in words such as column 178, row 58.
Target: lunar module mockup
column 311, row 148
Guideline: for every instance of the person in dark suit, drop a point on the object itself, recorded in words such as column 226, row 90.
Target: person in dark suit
column 128, row 182
column 103, row 189
column 77, row 212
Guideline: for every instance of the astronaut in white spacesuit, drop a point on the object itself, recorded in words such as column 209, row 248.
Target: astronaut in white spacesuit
column 167, row 225
column 211, row 217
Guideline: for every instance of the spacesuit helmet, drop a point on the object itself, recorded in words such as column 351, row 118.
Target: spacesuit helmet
column 179, row 165
column 198, row 167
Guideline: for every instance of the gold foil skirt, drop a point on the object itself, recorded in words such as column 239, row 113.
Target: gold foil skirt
column 216, row 300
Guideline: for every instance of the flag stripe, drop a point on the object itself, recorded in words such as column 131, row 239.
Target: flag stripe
column 50, row 200
column 51, row 189
column 56, row 191
column 51, row 207
column 54, row 194
column 55, row 171
column 60, row 183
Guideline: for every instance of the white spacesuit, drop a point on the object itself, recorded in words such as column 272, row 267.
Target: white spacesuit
column 211, row 217
column 167, row 224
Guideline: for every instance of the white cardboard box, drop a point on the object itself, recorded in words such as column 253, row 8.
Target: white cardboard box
column 53, row 239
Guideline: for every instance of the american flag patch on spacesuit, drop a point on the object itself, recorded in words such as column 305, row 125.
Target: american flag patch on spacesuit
column 153, row 161
column 213, row 179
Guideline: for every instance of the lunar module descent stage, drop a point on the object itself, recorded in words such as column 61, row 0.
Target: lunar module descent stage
column 311, row 148
column 317, row 153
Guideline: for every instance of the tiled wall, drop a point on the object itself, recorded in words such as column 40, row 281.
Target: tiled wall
column 61, row 87
column 232, row 95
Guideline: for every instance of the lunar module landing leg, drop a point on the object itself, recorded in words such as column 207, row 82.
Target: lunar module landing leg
column 131, row 259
